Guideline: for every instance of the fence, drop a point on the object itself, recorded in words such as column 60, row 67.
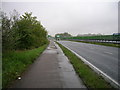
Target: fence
column 100, row 38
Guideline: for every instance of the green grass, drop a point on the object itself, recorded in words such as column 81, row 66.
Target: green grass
column 89, row 77
column 98, row 43
column 98, row 37
column 15, row 63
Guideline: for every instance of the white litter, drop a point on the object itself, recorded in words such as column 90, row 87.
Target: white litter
column 19, row 78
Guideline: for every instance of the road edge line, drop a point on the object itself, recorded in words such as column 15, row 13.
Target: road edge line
column 105, row 76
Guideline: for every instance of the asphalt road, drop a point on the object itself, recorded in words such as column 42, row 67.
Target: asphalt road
column 51, row 70
column 103, row 57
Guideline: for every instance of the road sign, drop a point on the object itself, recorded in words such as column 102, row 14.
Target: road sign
column 58, row 36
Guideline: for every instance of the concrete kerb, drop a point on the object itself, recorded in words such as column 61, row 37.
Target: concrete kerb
column 104, row 75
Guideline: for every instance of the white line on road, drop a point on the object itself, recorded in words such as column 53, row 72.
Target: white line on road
column 106, row 77
column 108, row 52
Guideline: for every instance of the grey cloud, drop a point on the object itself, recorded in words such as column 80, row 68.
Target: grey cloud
column 72, row 17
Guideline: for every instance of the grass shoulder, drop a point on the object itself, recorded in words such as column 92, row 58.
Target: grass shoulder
column 15, row 63
column 90, row 78
column 98, row 43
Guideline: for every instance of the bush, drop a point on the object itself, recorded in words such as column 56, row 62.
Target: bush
column 24, row 32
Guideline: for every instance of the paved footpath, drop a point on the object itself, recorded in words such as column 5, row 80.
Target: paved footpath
column 51, row 70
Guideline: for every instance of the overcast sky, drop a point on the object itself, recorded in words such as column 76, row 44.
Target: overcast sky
column 73, row 16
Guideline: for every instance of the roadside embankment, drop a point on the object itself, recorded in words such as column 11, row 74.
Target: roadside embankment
column 16, row 62
column 99, row 43
column 89, row 77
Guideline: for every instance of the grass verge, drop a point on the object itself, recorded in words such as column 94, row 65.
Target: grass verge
column 15, row 63
column 90, row 78
column 98, row 43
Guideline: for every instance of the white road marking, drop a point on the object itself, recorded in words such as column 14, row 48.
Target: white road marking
column 108, row 52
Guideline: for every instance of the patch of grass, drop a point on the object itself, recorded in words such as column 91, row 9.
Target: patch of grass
column 90, row 78
column 98, row 43
column 15, row 63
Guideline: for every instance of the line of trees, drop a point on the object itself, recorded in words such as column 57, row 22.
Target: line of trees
column 22, row 32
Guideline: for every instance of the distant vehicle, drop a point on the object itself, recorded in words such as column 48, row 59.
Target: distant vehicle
column 116, row 33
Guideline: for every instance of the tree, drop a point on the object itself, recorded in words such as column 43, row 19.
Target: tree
column 31, row 32
column 6, row 32
column 9, row 26
column 24, row 32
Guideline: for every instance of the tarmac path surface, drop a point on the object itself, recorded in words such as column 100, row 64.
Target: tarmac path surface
column 103, row 57
column 51, row 70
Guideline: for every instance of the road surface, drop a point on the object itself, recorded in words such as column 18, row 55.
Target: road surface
column 51, row 70
column 103, row 57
